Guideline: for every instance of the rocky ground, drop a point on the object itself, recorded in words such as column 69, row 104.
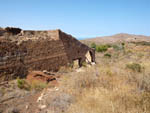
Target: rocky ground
column 118, row 83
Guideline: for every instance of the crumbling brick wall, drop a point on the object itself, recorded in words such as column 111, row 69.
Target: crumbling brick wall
column 23, row 51
column 45, row 55
column 30, row 50
column 11, row 64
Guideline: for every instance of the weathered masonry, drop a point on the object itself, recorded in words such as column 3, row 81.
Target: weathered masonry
column 25, row 50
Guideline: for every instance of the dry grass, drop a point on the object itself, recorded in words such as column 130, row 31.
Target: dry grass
column 109, row 86
column 34, row 85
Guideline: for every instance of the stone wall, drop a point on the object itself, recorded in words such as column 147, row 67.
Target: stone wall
column 30, row 50
column 45, row 55
column 11, row 63
column 24, row 51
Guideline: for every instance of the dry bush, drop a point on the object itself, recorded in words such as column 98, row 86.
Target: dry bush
column 110, row 86
column 135, row 67
column 76, row 82
column 37, row 85
column 104, row 101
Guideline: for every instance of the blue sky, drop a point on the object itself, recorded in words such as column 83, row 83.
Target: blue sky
column 81, row 18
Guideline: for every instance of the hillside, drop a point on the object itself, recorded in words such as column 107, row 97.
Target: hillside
column 119, row 82
column 122, row 37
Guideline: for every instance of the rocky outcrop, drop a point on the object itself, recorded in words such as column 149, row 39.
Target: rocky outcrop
column 38, row 76
column 26, row 50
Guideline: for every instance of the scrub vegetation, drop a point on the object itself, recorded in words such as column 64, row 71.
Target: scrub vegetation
column 119, row 83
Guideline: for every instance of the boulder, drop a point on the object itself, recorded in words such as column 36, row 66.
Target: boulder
column 40, row 76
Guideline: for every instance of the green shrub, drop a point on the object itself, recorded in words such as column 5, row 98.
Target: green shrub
column 93, row 45
column 135, row 67
column 123, row 44
column 107, row 55
column 118, row 46
column 101, row 48
column 22, row 84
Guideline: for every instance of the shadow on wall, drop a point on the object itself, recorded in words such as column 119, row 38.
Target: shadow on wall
column 77, row 52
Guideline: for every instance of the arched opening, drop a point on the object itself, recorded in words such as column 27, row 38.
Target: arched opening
column 77, row 62
column 88, row 56
column 92, row 57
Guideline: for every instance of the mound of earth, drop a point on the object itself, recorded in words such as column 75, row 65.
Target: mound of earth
column 122, row 37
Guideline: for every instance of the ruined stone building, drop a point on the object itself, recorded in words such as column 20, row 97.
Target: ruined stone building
column 25, row 50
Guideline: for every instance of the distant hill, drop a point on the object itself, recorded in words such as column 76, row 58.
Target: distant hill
column 122, row 37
